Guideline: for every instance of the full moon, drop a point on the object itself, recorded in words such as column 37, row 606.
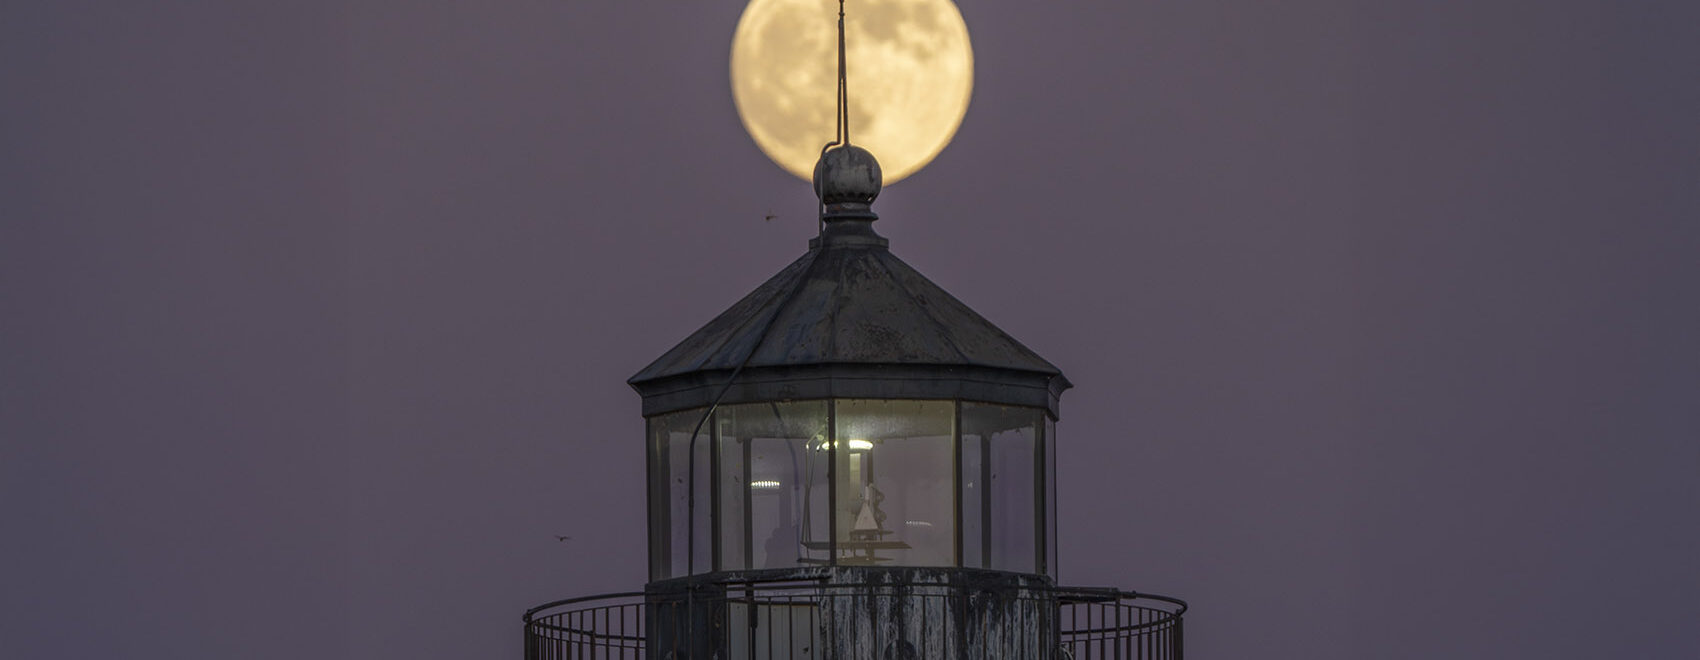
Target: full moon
column 910, row 72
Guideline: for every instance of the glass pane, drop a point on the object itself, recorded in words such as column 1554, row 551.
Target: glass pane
column 1008, row 440
column 669, row 478
column 1050, row 504
column 816, row 506
column 895, row 482
column 774, row 484
column 734, row 486
column 976, row 533
column 660, row 509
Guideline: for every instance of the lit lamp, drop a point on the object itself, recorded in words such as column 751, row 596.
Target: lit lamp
column 849, row 413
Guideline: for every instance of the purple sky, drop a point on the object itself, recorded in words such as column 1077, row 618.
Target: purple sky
column 315, row 316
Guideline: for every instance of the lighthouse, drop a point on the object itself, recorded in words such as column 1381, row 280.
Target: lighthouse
column 851, row 463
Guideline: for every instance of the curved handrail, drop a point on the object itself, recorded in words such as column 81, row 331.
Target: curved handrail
column 581, row 599
column 1108, row 593
column 1089, row 623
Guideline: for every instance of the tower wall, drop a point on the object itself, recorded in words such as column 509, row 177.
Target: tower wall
column 852, row 612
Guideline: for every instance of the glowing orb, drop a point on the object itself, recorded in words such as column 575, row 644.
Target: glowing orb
column 911, row 72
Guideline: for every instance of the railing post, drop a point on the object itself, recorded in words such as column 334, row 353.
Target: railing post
column 752, row 614
column 1180, row 638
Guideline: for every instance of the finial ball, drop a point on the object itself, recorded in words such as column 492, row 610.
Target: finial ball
column 847, row 174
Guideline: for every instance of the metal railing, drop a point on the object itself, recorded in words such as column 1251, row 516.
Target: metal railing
column 797, row 620
column 1119, row 625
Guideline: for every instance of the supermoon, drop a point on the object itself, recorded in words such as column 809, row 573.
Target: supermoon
column 910, row 66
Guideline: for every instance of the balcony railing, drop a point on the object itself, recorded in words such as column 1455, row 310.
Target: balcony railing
column 795, row 621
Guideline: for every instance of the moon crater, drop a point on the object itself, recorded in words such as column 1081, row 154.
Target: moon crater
column 910, row 72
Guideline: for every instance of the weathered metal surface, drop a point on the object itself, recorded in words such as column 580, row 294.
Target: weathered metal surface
column 849, row 319
column 848, row 612
column 855, row 382
column 913, row 613
column 847, row 180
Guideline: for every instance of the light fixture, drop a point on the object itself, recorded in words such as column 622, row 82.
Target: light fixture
column 852, row 445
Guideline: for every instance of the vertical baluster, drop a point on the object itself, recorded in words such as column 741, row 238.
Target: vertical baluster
column 678, row 633
column 1106, row 634
column 1126, row 640
column 1150, row 632
column 1074, row 625
column 1127, row 624
column 1166, row 640
column 1180, row 637
column 1160, row 636
column 1150, row 640
column 1120, row 635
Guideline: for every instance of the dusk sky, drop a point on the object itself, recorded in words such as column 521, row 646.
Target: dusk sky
column 1383, row 316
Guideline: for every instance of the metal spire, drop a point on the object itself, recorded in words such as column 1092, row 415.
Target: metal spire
column 843, row 86
column 842, row 136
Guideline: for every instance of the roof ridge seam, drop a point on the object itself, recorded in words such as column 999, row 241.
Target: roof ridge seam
column 784, row 298
column 780, row 292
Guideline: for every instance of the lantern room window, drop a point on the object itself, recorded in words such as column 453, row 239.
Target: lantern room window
column 774, row 490
column 848, row 482
column 896, row 500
